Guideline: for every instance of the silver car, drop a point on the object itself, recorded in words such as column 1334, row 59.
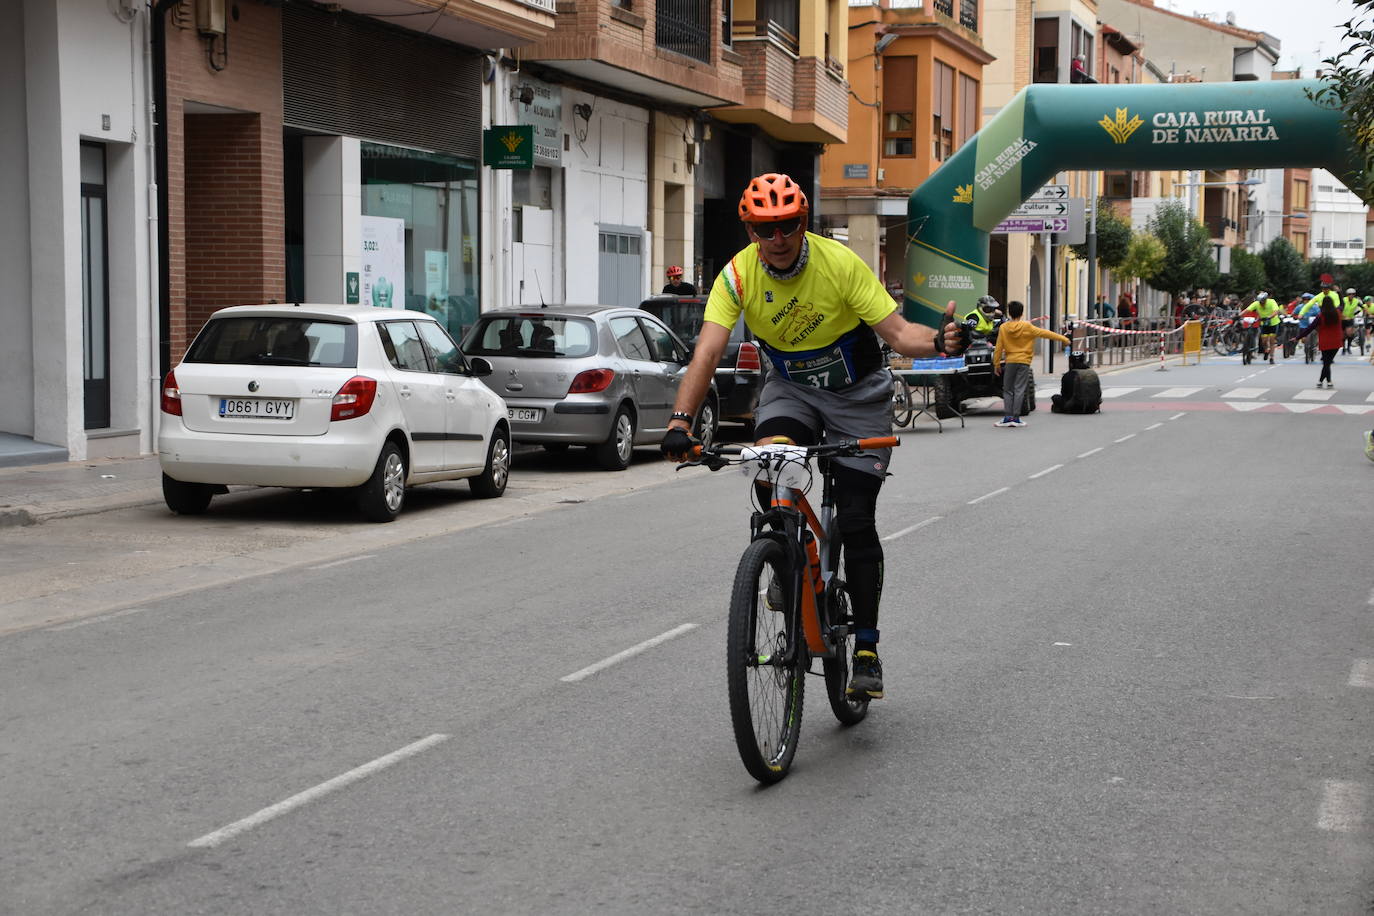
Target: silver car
column 595, row 375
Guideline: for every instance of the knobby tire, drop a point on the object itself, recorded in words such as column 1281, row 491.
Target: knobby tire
column 765, row 699
column 847, row 711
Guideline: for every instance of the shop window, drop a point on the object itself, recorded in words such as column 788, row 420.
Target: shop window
column 420, row 233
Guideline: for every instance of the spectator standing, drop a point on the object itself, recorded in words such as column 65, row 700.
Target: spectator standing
column 1125, row 311
column 1330, row 337
column 1015, row 344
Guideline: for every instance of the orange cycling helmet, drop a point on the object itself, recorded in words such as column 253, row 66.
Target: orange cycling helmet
column 674, row 271
column 772, row 197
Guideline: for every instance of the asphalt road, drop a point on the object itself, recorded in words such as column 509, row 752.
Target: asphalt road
column 1128, row 657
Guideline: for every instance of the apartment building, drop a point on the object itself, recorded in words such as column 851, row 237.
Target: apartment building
column 182, row 155
column 916, row 74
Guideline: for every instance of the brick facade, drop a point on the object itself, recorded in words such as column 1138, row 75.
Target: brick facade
column 226, row 221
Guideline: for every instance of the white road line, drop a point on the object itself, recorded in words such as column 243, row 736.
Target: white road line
column 1177, row 415
column 1091, row 452
column 309, row 795
column 1245, row 392
column 1371, row 598
column 1362, row 673
column 1155, row 426
column 1177, row 392
column 1313, row 394
column 1124, row 438
column 915, row 527
column 1117, row 392
column 366, row 556
column 1370, row 398
column 1343, row 805
column 989, row 495
column 102, row 618
column 628, row 653
column 1049, row 470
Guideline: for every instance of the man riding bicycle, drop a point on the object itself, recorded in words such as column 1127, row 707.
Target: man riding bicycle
column 818, row 311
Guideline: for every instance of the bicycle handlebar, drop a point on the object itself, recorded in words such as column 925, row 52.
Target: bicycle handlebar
column 713, row 457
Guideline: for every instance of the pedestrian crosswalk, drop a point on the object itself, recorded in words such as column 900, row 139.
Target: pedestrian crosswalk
column 1245, row 399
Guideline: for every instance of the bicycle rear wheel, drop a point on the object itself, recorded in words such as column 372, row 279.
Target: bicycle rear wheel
column 765, row 671
column 902, row 408
column 848, row 711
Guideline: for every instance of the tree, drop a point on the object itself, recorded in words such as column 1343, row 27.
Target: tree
column 1113, row 237
column 1350, row 87
column 1188, row 260
column 1144, row 257
column 1316, row 268
column 1247, row 274
column 1284, row 268
column 1360, row 276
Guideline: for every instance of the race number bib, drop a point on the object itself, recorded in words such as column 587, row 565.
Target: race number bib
column 828, row 370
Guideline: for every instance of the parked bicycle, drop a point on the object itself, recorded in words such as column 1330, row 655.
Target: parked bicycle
column 788, row 605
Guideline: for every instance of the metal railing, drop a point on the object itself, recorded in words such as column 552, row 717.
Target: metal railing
column 684, row 26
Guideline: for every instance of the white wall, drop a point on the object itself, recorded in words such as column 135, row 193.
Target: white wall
column 16, row 316
column 1338, row 218
column 606, row 182
column 84, row 77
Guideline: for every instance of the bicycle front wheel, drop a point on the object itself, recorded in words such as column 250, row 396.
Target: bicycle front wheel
column 765, row 664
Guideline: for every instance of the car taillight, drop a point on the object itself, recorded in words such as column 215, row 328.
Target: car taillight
column 748, row 359
column 591, row 380
column 171, row 395
column 354, row 398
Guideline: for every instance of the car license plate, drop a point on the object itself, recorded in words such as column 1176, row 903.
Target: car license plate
column 525, row 414
column 257, row 408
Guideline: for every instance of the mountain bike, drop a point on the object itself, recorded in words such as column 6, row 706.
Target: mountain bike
column 788, row 605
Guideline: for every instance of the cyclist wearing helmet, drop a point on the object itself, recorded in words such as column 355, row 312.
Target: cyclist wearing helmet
column 676, row 286
column 1350, row 308
column 819, row 313
column 1268, row 311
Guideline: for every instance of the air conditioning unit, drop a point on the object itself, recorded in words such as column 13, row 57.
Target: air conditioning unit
column 210, row 17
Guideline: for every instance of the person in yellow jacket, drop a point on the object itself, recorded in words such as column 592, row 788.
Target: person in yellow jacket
column 1015, row 344
column 1350, row 307
column 1270, row 314
column 985, row 317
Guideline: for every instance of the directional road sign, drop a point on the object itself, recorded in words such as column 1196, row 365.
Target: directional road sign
column 1042, row 208
column 1051, row 192
column 1033, row 224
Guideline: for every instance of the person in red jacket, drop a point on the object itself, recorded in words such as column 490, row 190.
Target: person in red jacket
column 1330, row 338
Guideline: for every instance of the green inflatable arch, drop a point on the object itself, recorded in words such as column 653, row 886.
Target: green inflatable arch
column 1050, row 128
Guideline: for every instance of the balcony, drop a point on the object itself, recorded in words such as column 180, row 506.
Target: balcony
column 667, row 50
column 684, row 27
column 476, row 23
column 796, row 99
column 968, row 12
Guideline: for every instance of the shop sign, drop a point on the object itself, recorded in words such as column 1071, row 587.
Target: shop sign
column 545, row 115
column 509, row 146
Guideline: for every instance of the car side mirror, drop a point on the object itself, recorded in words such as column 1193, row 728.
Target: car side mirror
column 479, row 367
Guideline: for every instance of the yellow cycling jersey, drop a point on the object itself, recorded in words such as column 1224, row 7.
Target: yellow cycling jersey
column 834, row 292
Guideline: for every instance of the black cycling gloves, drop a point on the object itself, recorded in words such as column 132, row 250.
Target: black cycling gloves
column 678, row 444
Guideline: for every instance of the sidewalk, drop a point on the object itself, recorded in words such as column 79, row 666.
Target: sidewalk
column 30, row 494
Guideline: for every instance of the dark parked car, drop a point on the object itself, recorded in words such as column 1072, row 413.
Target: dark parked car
column 738, row 377
column 596, row 375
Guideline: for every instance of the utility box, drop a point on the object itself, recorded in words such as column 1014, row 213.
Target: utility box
column 210, row 17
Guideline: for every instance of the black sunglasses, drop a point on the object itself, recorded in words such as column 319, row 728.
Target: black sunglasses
column 788, row 228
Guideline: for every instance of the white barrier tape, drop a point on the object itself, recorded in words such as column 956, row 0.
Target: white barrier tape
column 1098, row 327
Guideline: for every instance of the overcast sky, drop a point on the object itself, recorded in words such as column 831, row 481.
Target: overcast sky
column 1309, row 29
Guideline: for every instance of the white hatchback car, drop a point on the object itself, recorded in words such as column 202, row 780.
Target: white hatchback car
column 328, row 396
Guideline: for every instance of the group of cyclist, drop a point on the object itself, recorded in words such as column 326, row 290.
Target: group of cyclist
column 1263, row 319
